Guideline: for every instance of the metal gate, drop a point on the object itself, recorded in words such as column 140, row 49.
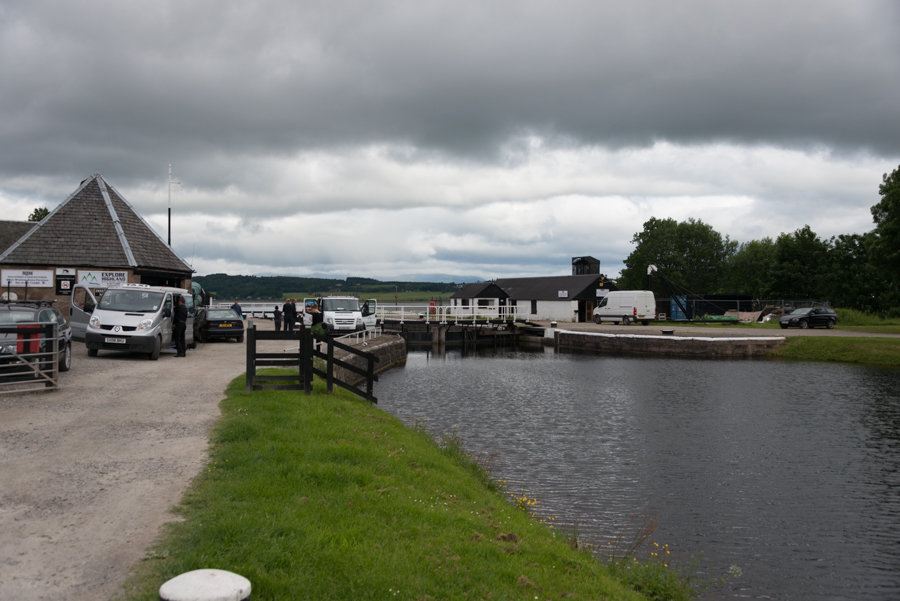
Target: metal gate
column 29, row 357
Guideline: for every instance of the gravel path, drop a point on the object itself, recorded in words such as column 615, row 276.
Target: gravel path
column 88, row 473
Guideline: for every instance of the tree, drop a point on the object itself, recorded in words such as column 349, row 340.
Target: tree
column 801, row 266
column 855, row 283
column 690, row 253
column 885, row 244
column 749, row 270
column 38, row 214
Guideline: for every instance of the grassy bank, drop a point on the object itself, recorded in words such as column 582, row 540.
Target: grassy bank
column 326, row 497
column 883, row 352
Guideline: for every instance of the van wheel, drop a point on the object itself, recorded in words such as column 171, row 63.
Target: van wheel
column 154, row 354
column 626, row 321
column 65, row 360
column 597, row 319
column 92, row 352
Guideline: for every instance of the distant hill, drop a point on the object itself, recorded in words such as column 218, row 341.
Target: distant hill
column 245, row 287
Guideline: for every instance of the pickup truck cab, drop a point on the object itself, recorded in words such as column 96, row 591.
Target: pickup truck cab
column 132, row 317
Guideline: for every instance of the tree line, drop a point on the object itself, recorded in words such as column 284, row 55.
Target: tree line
column 853, row 271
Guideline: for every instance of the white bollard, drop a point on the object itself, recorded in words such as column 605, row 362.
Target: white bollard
column 206, row 585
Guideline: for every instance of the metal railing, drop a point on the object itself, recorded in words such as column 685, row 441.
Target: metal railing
column 362, row 336
column 30, row 357
column 451, row 314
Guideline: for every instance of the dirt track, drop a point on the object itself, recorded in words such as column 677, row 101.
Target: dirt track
column 88, row 473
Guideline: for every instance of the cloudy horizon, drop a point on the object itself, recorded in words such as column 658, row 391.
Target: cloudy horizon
column 482, row 140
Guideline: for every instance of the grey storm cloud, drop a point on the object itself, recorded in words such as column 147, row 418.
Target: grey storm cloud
column 121, row 84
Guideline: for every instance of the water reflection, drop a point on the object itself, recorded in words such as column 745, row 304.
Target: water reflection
column 788, row 470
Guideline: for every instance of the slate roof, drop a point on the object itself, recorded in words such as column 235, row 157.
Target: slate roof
column 480, row 290
column 579, row 287
column 95, row 226
column 11, row 231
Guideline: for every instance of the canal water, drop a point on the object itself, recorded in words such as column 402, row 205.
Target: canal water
column 788, row 470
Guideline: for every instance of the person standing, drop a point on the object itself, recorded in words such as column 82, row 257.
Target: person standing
column 290, row 315
column 237, row 309
column 276, row 316
column 180, row 325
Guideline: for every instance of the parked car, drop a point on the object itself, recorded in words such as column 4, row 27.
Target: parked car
column 25, row 312
column 218, row 323
column 809, row 317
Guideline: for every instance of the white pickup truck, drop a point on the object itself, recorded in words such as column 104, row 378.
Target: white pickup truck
column 340, row 314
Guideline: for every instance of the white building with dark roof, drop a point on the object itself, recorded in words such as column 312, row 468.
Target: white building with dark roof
column 93, row 237
column 563, row 298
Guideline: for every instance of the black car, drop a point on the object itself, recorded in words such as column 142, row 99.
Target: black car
column 809, row 318
column 218, row 323
column 25, row 312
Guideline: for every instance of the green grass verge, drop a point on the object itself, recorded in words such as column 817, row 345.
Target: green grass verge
column 327, row 497
column 868, row 351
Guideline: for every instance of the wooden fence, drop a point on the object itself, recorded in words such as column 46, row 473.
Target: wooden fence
column 309, row 347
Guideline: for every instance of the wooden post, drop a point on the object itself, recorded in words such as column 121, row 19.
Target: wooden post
column 306, row 356
column 329, row 369
column 251, row 355
column 370, row 378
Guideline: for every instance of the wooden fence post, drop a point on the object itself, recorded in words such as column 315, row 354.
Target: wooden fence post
column 306, row 356
column 329, row 368
column 251, row 355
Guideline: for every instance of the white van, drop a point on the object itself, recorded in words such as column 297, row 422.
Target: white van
column 132, row 317
column 340, row 314
column 626, row 306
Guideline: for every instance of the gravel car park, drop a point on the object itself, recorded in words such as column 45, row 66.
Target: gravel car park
column 809, row 317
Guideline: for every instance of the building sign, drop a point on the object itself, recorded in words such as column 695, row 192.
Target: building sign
column 65, row 280
column 602, row 292
column 102, row 279
column 563, row 294
column 33, row 278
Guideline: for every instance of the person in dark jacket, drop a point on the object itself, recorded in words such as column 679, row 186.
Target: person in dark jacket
column 276, row 316
column 179, row 321
column 236, row 307
column 290, row 315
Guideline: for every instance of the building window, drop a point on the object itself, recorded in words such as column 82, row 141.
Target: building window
column 534, row 307
column 465, row 302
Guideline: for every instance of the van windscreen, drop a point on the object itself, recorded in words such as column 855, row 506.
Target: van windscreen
column 135, row 301
column 340, row 304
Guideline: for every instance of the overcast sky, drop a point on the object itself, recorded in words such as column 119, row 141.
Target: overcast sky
column 419, row 139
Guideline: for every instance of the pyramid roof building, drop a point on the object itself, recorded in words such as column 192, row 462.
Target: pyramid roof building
column 95, row 227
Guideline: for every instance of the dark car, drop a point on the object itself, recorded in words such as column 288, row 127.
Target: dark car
column 24, row 312
column 809, row 318
column 218, row 323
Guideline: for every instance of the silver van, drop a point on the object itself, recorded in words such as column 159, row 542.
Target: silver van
column 133, row 317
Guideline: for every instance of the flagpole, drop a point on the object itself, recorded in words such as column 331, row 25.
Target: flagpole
column 170, row 202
